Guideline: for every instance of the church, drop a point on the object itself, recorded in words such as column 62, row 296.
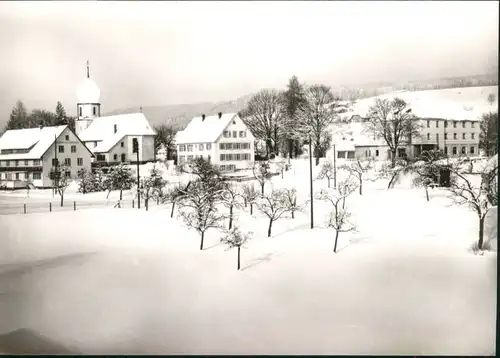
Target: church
column 110, row 138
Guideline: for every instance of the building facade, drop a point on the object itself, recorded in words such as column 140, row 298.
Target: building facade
column 223, row 139
column 28, row 155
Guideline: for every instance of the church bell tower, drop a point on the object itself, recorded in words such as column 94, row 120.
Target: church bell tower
column 88, row 106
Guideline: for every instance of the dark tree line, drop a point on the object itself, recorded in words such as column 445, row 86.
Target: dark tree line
column 20, row 118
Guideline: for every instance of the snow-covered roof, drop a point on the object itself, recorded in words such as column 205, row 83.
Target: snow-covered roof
column 102, row 129
column 204, row 131
column 450, row 104
column 39, row 140
column 88, row 92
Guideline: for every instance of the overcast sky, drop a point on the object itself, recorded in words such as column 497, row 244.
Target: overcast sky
column 157, row 53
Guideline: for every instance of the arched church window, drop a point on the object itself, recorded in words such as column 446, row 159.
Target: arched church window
column 80, row 111
column 94, row 109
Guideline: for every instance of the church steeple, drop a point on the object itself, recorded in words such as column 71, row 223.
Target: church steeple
column 88, row 69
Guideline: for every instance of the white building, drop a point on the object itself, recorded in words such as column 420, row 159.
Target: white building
column 110, row 138
column 28, row 155
column 222, row 139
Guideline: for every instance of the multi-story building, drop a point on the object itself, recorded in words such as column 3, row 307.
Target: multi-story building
column 28, row 155
column 223, row 139
column 110, row 138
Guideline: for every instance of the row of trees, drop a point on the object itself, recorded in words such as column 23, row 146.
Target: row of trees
column 20, row 118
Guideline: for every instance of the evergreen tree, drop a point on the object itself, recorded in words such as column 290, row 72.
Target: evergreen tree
column 18, row 117
column 61, row 117
column 293, row 97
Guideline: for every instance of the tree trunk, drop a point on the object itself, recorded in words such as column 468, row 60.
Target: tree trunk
column 172, row 212
column 317, row 158
column 251, row 208
column 360, row 186
column 336, row 239
column 481, row 232
column 109, row 192
column 202, row 238
column 62, row 199
column 293, row 214
column 262, row 188
column 146, row 204
column 246, row 203
column 328, row 182
column 230, row 217
column 239, row 249
column 269, row 228
column 394, row 176
column 393, row 158
column 426, row 192
column 121, row 194
column 290, row 148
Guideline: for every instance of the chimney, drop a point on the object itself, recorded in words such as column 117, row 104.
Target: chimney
column 220, row 115
column 115, row 128
column 202, row 117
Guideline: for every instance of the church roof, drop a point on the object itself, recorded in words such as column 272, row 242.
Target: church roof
column 102, row 129
column 204, row 131
column 88, row 92
column 34, row 140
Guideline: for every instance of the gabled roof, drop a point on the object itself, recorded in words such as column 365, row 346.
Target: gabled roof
column 39, row 140
column 102, row 130
column 204, row 131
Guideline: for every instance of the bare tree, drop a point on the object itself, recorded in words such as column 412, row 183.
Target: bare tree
column 315, row 115
column 264, row 117
column 261, row 172
column 119, row 178
column 274, row 205
column 491, row 98
column 152, row 186
column 427, row 170
column 236, row 238
column 60, row 176
column 231, row 199
column 174, row 195
column 291, row 201
column 392, row 173
column 250, row 195
column 478, row 199
column 339, row 218
column 394, row 123
column 198, row 210
column 488, row 137
column 358, row 169
column 327, row 171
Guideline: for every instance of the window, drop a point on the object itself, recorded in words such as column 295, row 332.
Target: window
column 463, row 135
column 55, row 162
column 115, row 156
column 61, row 149
column 234, row 122
column 473, row 124
column 222, row 157
column 350, row 155
column 189, row 147
column 73, row 149
column 36, row 162
column 37, row 176
column 94, row 111
column 236, row 145
column 446, row 150
column 222, row 145
column 17, row 176
column 182, row 159
column 376, row 152
column 67, row 137
column 200, row 146
column 209, row 146
column 446, row 124
column 237, row 156
column 182, row 148
column 7, row 163
column 454, row 150
column 243, row 134
column 428, row 136
column 67, row 161
column 79, row 161
column 68, row 174
column 437, row 137
column 122, row 144
column 454, row 124
column 26, row 176
column 189, row 158
column 123, row 157
column 17, row 163
column 227, row 134
column 428, row 124
column 229, row 145
column 446, row 136
column 235, row 134
column 463, row 124
column 472, row 135
column 26, row 163
column 101, row 157
column 472, row 150
column 229, row 157
column 464, row 150
column 80, row 111
column 454, row 136
column 437, row 124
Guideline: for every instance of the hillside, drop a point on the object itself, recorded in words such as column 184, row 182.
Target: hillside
column 179, row 115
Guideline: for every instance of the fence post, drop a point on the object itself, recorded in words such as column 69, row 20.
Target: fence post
column 25, row 208
column 74, row 205
column 50, row 207
column 146, row 204
column 133, row 203
column 157, row 201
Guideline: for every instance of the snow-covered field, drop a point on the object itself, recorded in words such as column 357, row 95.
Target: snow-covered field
column 129, row 281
